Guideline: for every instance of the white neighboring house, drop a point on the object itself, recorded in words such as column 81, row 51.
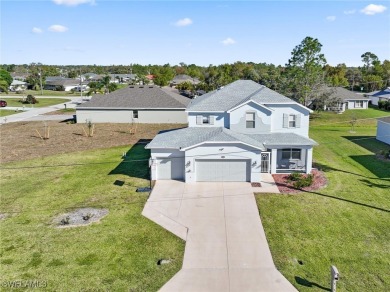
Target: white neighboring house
column 235, row 133
column 346, row 99
column 61, row 84
column 383, row 130
column 135, row 103
column 376, row 96
column 17, row 85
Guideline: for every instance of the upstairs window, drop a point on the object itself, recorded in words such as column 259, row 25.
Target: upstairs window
column 292, row 121
column 135, row 114
column 250, row 120
column 205, row 120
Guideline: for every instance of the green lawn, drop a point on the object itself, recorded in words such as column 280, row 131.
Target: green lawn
column 37, row 93
column 118, row 254
column 345, row 224
column 4, row 112
column 42, row 102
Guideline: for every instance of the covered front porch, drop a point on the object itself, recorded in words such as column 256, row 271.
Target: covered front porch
column 288, row 160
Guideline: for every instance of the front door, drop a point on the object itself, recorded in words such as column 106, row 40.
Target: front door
column 265, row 159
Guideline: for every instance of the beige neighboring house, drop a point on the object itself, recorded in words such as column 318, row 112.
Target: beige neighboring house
column 135, row 103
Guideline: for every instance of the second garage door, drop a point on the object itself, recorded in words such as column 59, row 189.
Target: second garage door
column 222, row 170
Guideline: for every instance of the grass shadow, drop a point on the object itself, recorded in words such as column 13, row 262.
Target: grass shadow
column 135, row 163
column 379, row 168
column 306, row 283
column 368, row 142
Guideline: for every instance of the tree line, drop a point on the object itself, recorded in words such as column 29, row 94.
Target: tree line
column 302, row 77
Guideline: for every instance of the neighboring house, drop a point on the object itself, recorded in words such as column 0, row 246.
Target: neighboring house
column 17, row 85
column 122, row 78
column 135, row 103
column 19, row 76
column 235, row 134
column 61, row 84
column 383, row 130
column 183, row 78
column 345, row 99
column 377, row 96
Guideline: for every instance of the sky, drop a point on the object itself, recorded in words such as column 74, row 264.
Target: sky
column 124, row 32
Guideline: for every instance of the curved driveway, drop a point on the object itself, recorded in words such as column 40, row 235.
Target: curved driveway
column 226, row 248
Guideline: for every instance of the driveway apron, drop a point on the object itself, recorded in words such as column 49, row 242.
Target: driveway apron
column 226, row 248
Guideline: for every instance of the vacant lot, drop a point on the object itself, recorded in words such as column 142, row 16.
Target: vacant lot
column 120, row 253
column 21, row 141
column 345, row 224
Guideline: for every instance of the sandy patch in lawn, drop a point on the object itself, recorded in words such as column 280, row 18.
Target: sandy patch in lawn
column 79, row 217
column 3, row 216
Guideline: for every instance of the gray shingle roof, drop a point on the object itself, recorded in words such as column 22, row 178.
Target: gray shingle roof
column 235, row 94
column 138, row 97
column 186, row 137
column 183, row 78
column 287, row 139
column 343, row 94
column 63, row 82
column 385, row 93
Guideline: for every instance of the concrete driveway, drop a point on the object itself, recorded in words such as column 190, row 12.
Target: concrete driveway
column 226, row 248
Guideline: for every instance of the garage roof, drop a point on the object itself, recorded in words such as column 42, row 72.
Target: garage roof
column 137, row 97
column 188, row 137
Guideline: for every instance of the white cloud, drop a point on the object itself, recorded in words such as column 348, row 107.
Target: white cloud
column 58, row 28
column 373, row 9
column 350, row 11
column 36, row 30
column 73, row 2
column 183, row 22
column 331, row 18
column 228, row 41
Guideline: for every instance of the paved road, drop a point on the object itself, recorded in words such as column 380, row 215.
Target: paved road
column 39, row 114
column 226, row 248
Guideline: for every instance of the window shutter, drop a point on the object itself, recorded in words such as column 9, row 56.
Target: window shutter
column 199, row 120
column 298, row 121
column 285, row 120
column 211, row 120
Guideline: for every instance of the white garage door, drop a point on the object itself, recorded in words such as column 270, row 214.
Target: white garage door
column 170, row 168
column 222, row 170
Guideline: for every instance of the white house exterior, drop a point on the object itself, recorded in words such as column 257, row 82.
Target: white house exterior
column 135, row 103
column 235, row 134
column 377, row 96
column 383, row 130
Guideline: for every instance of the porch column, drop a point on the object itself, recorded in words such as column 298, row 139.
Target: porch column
column 309, row 160
column 274, row 158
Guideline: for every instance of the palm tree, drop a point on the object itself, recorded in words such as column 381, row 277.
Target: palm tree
column 95, row 87
column 106, row 81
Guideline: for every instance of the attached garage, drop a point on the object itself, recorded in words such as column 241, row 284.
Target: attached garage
column 170, row 168
column 223, row 170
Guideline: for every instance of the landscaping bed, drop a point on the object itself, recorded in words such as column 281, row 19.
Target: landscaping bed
column 286, row 186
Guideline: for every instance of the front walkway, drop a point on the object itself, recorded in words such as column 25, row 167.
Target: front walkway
column 226, row 248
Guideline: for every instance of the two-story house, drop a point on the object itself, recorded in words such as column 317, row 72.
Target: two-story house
column 235, row 133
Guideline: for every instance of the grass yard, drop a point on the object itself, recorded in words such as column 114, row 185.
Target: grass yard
column 4, row 112
column 345, row 224
column 42, row 102
column 117, row 254
column 37, row 93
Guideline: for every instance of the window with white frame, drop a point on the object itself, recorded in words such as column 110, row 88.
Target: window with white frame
column 250, row 120
column 359, row 103
column 292, row 121
column 205, row 120
column 135, row 114
column 291, row 153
